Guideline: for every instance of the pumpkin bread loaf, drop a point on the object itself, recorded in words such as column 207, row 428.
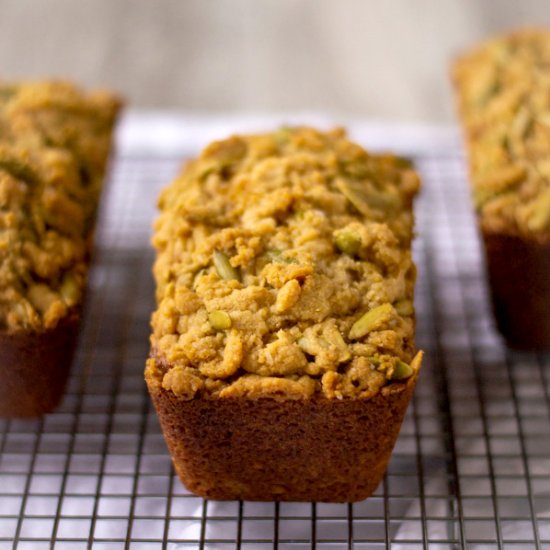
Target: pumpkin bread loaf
column 282, row 355
column 54, row 145
column 503, row 90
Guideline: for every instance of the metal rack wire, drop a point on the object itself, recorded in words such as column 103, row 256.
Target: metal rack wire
column 470, row 469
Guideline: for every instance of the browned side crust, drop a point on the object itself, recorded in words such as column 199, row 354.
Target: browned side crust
column 34, row 368
column 266, row 449
column 519, row 277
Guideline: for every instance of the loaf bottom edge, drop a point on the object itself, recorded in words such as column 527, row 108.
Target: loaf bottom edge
column 269, row 450
column 518, row 272
column 35, row 368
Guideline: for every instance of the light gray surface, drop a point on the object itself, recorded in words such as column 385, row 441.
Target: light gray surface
column 386, row 59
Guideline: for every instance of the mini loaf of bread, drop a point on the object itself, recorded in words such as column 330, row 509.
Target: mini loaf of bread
column 282, row 356
column 503, row 90
column 54, row 145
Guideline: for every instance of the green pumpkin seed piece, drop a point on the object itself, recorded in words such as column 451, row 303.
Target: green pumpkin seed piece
column 354, row 195
column 335, row 338
column 70, row 290
column 405, row 308
column 346, row 242
column 225, row 270
column 401, row 371
column 219, row 319
column 371, row 320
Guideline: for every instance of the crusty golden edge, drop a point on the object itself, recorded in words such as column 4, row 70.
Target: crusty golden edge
column 34, row 367
column 518, row 272
column 285, row 450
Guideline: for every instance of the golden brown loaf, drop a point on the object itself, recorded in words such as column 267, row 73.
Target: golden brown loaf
column 503, row 90
column 54, row 145
column 285, row 291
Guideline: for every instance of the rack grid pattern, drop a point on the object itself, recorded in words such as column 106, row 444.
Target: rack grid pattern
column 470, row 469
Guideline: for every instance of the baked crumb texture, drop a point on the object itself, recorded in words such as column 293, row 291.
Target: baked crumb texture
column 503, row 91
column 284, row 270
column 282, row 355
column 54, row 145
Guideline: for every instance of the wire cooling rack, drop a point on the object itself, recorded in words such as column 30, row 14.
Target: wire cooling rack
column 470, row 469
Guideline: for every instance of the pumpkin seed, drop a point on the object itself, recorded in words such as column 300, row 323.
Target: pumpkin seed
column 371, row 320
column 346, row 242
column 354, row 195
column 70, row 290
column 219, row 319
column 401, row 371
column 405, row 308
column 225, row 270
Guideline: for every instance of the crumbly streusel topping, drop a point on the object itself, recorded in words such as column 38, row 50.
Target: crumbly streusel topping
column 504, row 98
column 54, row 144
column 284, row 268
